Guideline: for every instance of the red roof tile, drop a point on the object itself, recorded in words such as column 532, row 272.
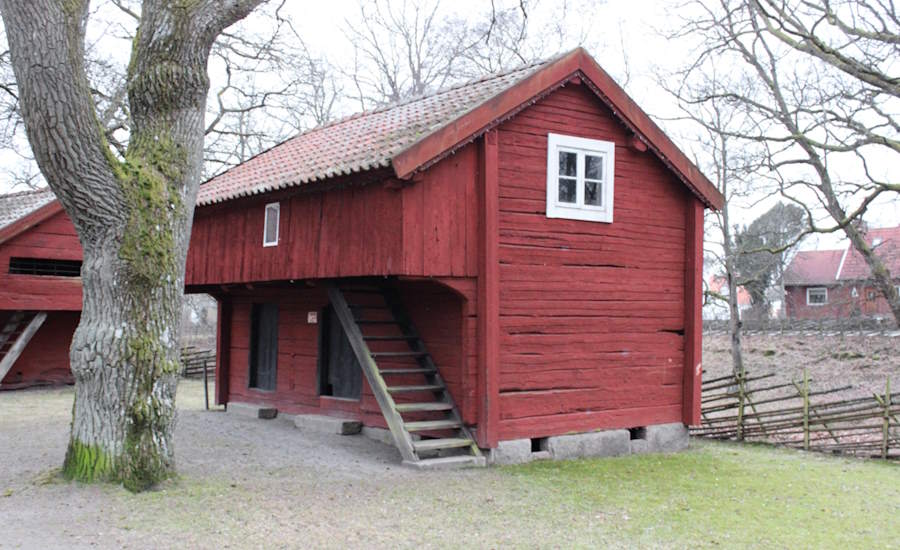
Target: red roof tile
column 813, row 267
column 855, row 267
column 16, row 206
column 411, row 135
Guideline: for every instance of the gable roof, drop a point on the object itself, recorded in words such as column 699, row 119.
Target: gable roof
column 813, row 267
column 411, row 136
column 22, row 210
column 855, row 267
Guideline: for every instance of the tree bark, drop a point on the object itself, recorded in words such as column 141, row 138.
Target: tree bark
column 133, row 215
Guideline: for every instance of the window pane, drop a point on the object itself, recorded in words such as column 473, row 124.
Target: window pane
column 568, row 163
column 567, row 190
column 592, row 193
column 271, row 230
column 593, row 167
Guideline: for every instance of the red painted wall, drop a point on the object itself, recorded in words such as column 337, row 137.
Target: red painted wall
column 592, row 314
column 869, row 302
column 427, row 228
column 440, row 315
column 55, row 239
column 46, row 358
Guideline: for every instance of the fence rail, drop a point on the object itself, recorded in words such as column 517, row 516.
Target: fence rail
column 741, row 407
column 848, row 325
column 199, row 363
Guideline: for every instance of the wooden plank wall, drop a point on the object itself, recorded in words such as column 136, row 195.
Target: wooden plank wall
column 46, row 358
column 437, row 312
column 53, row 239
column 428, row 228
column 591, row 315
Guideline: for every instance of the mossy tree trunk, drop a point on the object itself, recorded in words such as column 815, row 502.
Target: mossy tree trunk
column 133, row 215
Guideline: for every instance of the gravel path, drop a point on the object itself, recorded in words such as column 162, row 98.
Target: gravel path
column 246, row 483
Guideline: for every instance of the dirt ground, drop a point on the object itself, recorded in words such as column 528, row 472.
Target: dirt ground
column 862, row 360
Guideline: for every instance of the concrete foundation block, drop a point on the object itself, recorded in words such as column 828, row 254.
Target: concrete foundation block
column 667, row 438
column 252, row 410
column 639, row 446
column 327, row 424
column 513, row 451
column 604, row 443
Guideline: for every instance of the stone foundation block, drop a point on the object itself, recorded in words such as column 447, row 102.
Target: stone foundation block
column 513, row 451
column 378, row 434
column 327, row 424
column 605, row 443
column 667, row 438
column 251, row 410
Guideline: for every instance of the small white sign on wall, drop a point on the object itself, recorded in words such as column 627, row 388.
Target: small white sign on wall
column 312, row 317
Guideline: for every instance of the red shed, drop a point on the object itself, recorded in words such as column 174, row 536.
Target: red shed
column 488, row 266
column 40, row 289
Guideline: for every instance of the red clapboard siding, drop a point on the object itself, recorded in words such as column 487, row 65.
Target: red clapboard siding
column 46, row 358
column 52, row 239
column 441, row 315
column 592, row 315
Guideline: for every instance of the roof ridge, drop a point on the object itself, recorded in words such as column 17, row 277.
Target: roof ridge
column 26, row 192
column 400, row 103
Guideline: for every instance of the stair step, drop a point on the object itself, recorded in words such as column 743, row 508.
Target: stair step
column 407, row 371
column 447, row 463
column 401, row 389
column 419, row 407
column 443, row 443
column 387, row 338
column 425, row 425
column 399, row 353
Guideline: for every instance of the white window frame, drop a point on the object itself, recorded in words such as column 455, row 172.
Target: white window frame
column 276, row 206
column 579, row 210
column 814, row 288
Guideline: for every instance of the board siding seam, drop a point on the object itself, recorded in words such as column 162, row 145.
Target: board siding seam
column 489, row 294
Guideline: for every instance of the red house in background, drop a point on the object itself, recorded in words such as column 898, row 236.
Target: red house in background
column 836, row 284
column 40, row 289
column 491, row 266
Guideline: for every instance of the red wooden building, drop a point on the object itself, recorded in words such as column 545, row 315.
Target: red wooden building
column 836, row 284
column 40, row 289
column 514, row 258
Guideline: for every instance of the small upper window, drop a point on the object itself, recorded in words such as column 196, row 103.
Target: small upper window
column 270, row 232
column 580, row 178
column 816, row 296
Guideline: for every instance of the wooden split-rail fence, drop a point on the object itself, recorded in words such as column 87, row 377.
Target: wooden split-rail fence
column 744, row 407
column 199, row 363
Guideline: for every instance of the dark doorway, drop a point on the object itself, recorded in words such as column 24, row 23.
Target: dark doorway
column 340, row 374
column 263, row 346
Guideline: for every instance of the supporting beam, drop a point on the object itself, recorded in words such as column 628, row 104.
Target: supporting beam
column 489, row 294
column 21, row 342
column 223, row 347
column 693, row 319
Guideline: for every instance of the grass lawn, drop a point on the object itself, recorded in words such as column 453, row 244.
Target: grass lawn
column 730, row 495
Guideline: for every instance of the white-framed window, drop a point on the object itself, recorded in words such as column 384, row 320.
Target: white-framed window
column 580, row 178
column 816, row 296
column 270, row 230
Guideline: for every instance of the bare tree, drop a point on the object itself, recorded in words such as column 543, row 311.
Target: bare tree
column 815, row 81
column 133, row 216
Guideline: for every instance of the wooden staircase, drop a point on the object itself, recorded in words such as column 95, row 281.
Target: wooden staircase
column 15, row 335
column 423, row 419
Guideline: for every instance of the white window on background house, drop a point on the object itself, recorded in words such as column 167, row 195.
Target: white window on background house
column 817, row 296
column 270, row 231
column 580, row 178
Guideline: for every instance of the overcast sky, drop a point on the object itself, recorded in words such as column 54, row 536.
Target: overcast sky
column 623, row 35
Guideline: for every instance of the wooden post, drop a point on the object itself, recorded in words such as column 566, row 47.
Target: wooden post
column 223, row 348
column 886, row 428
column 205, row 385
column 693, row 317
column 805, row 409
column 489, row 295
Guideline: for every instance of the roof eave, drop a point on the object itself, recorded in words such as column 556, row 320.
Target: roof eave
column 29, row 220
column 482, row 117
